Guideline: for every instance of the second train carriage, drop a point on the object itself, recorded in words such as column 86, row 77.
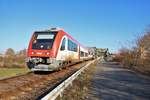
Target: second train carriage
column 53, row 49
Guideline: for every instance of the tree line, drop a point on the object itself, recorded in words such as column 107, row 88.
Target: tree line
column 12, row 59
column 137, row 56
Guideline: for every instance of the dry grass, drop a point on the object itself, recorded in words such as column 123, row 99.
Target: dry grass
column 80, row 86
column 137, row 57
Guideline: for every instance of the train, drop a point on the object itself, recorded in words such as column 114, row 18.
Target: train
column 53, row 49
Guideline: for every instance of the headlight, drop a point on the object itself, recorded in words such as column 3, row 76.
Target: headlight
column 47, row 53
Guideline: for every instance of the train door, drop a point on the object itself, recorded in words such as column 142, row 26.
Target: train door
column 62, row 53
column 79, row 53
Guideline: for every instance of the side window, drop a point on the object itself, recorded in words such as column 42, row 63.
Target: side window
column 69, row 45
column 72, row 46
column 81, row 53
column 63, row 44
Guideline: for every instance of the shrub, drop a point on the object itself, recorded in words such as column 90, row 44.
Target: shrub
column 137, row 57
column 12, row 59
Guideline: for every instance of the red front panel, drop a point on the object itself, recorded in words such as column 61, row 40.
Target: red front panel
column 46, row 53
column 40, row 53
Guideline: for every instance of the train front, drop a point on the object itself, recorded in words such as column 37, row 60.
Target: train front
column 41, row 53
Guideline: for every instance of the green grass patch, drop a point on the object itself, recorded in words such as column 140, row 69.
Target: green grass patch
column 9, row 72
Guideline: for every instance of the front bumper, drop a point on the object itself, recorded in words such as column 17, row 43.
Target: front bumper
column 35, row 64
column 44, row 68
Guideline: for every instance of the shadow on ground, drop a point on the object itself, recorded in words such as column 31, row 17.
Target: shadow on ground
column 43, row 72
column 111, row 82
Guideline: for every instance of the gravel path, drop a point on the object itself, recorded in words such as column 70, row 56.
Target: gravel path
column 111, row 82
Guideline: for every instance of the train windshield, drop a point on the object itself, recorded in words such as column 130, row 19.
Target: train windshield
column 43, row 40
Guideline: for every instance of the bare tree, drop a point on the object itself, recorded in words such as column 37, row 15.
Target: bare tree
column 20, row 56
column 10, row 52
column 137, row 56
column 9, row 57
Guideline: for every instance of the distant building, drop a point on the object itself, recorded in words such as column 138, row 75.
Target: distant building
column 102, row 52
column 98, row 52
column 92, row 51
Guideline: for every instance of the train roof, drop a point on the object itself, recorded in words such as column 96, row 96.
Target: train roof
column 62, row 30
column 74, row 39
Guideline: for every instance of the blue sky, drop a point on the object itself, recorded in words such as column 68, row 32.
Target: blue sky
column 100, row 23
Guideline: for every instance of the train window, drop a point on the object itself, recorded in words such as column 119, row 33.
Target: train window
column 81, row 53
column 86, row 54
column 63, row 44
column 72, row 46
column 43, row 40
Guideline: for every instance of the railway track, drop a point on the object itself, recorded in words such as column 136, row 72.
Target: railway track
column 59, row 88
column 31, row 86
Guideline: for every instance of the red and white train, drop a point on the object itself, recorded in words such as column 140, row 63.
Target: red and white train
column 53, row 49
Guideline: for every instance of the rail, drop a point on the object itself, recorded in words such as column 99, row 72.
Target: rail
column 60, row 88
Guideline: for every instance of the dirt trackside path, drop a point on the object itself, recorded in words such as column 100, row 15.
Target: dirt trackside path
column 111, row 82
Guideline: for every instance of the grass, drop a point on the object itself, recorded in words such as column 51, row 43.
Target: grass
column 9, row 72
